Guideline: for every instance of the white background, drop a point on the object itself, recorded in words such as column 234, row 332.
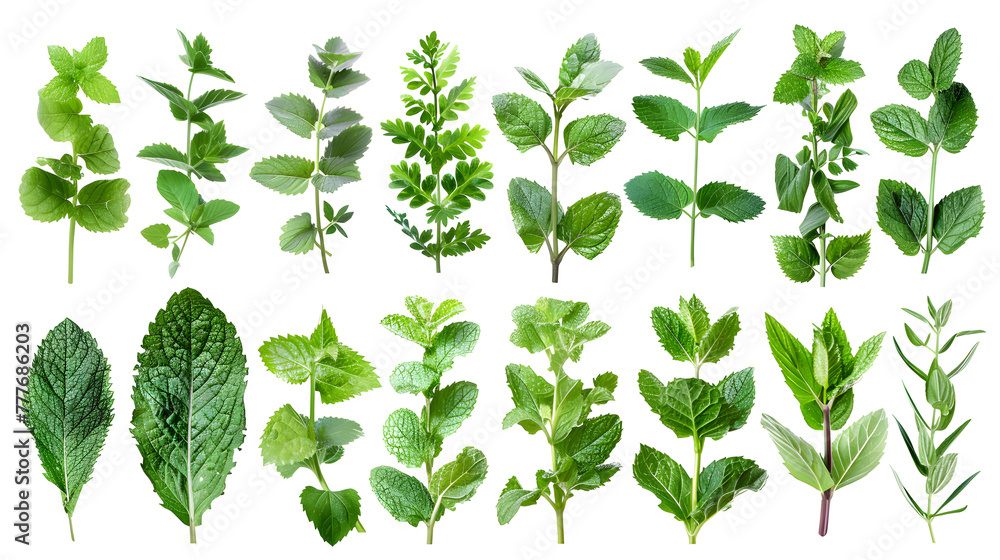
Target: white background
column 122, row 280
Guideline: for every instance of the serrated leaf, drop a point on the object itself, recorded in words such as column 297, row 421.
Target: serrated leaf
column 44, row 196
column 796, row 257
column 715, row 119
column 722, row 481
column 952, row 118
column 589, row 139
column 592, row 442
column 101, row 205
column 945, row 56
column 97, row 149
column 663, row 115
column 958, row 217
column 901, row 129
column 286, row 438
column 457, row 481
column 298, row 235
column 451, row 406
column 531, row 208
column 513, row 498
column 915, row 78
column 333, row 513
column 667, row 480
column 62, row 120
column 284, row 174
column 902, row 214
column 407, row 439
column 403, row 496
column 719, row 339
column 729, row 202
column 590, row 223
column 667, row 68
column 847, row 254
column 523, row 121
column 658, row 196
column 296, row 112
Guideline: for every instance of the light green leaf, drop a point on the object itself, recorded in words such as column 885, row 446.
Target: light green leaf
column 941, row 473
column 407, row 439
column 714, row 54
column 403, row 496
column 847, row 254
column 667, row 480
column 296, row 112
column 531, row 208
column 801, row 459
column 284, row 174
column 286, row 438
column 408, row 328
column 858, row 449
column 795, row 361
column 97, row 149
column 722, row 481
column 157, row 235
column 524, row 387
column 791, row 89
column 101, row 205
column 62, row 120
column 719, row 339
column 344, row 377
column 451, row 406
column 291, row 358
column 590, row 224
column 44, row 196
column 585, row 51
column 674, row 334
column 413, row 377
column 796, row 257
column 534, row 80
column 454, row 340
column 336, row 432
column 513, row 498
column 298, row 235
column 457, row 481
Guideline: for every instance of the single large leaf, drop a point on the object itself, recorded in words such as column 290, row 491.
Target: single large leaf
column 523, row 121
column 667, row 480
column 958, row 218
column 590, row 224
column 902, row 214
column 189, row 416
column 658, row 196
column 286, row 439
column 915, row 78
column 589, row 139
column 407, row 439
column 674, row 334
column 457, row 481
column 795, row 361
column 664, row 115
column 69, row 408
column 715, row 119
column 592, row 442
column 945, row 56
column 403, row 496
column 952, row 118
column 525, row 389
column 847, row 254
column 901, row 129
column 796, row 257
column 45, row 196
column 531, row 208
column 296, row 112
column 101, row 205
column 801, row 459
column 729, row 202
column 722, row 481
column 333, row 513
column 62, row 120
column 513, row 498
column 451, row 406
column 284, row 174
column 97, row 149
column 858, row 449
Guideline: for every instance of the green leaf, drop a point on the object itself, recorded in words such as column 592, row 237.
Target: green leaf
column 296, row 112
column 941, row 473
column 534, row 81
column 101, row 205
column 791, row 89
column 695, row 317
column 902, row 214
column 824, row 195
column 801, row 459
column 178, row 191
column 592, row 442
column 215, row 97
column 958, row 217
column 715, row 119
column 722, row 481
column 284, row 174
column 344, row 377
column 719, row 339
column 945, row 56
column 69, row 409
column 690, row 407
column 674, row 334
column 63, row 167
column 454, row 340
column 847, row 254
column 523, row 121
column 97, row 149
column 408, row 328
column 333, row 513
column 214, row 211
column 692, row 59
column 815, row 218
column 188, row 395
column 589, row 139
column 901, row 129
column 714, row 54
column 590, row 223
column 457, row 481
column 338, row 120
column 157, row 235
column 795, row 361
column 858, row 449
column 62, row 120
column 513, row 498
column 792, row 183
column 840, row 71
column 585, row 51
column 291, row 358
column 286, row 438
column 349, row 145
column 451, row 406
column 658, row 196
column 667, row 68
column 407, row 439
column 796, row 257
column 413, row 377
column 952, row 118
column 739, row 392
column 180, row 107
column 806, row 41
column 527, row 391
column 729, row 202
column 531, row 208
column 403, row 496
column 915, row 78
column 44, row 196
column 298, row 235
column 664, row 115
column 667, row 480
column 334, row 432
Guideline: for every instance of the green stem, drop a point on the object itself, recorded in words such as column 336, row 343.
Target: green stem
column 437, row 129
column 930, row 214
column 822, row 256
column 556, row 258
column 72, row 241
column 192, row 534
column 559, row 497
column 188, row 141
column 694, row 188
column 319, row 213
column 430, row 524
column 72, row 537
column 560, row 535
column 698, row 448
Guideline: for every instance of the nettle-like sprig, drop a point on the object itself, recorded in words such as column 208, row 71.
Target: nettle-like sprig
column 331, row 168
column 292, row 440
column 822, row 381
column 665, row 198
column 589, row 224
column 915, row 223
column 446, row 195
column 203, row 153
column 417, row 440
column 933, row 463
column 580, row 444
column 695, row 408
column 98, row 206
column 819, row 65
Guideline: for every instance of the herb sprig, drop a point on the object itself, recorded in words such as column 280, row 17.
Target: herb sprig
column 915, row 223
column 589, row 224
column 98, row 206
column 665, row 198
column 932, row 462
column 446, row 195
column 333, row 167
column 203, row 153
column 819, row 65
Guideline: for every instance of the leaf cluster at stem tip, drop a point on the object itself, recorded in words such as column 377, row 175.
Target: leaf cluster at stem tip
column 203, row 152
column 292, row 440
column 692, row 407
column 822, row 381
column 827, row 154
column 446, row 195
column 580, row 444
column 915, row 223
column 931, row 459
column 587, row 226
column 664, row 198
column 331, row 71
column 416, row 440
column 49, row 196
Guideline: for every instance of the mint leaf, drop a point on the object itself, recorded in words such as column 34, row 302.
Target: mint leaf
column 801, row 459
column 97, row 149
column 664, row 116
column 44, row 196
column 953, row 118
column 513, row 498
column 403, row 496
column 333, row 514
column 945, row 56
column 452, row 406
column 667, row 68
column 530, row 206
column 792, row 183
column 659, row 196
column 902, row 212
column 287, row 438
column 796, row 257
column 101, row 205
column 69, row 409
column 457, row 482
column 284, row 174
column 589, row 139
column 857, row 450
column 715, row 119
column 901, row 129
column 61, row 120
column 915, row 78
column 590, row 223
column 665, row 478
column 729, row 202
column 958, row 218
column 523, row 122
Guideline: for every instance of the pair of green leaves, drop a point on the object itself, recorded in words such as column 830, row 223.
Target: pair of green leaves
column 292, row 440
column 588, row 225
column 331, row 71
column 69, row 409
column 903, row 212
column 446, row 196
column 933, row 462
column 689, row 336
column 818, row 65
column 99, row 206
column 189, row 416
column 416, row 440
column 581, row 444
column 664, row 198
